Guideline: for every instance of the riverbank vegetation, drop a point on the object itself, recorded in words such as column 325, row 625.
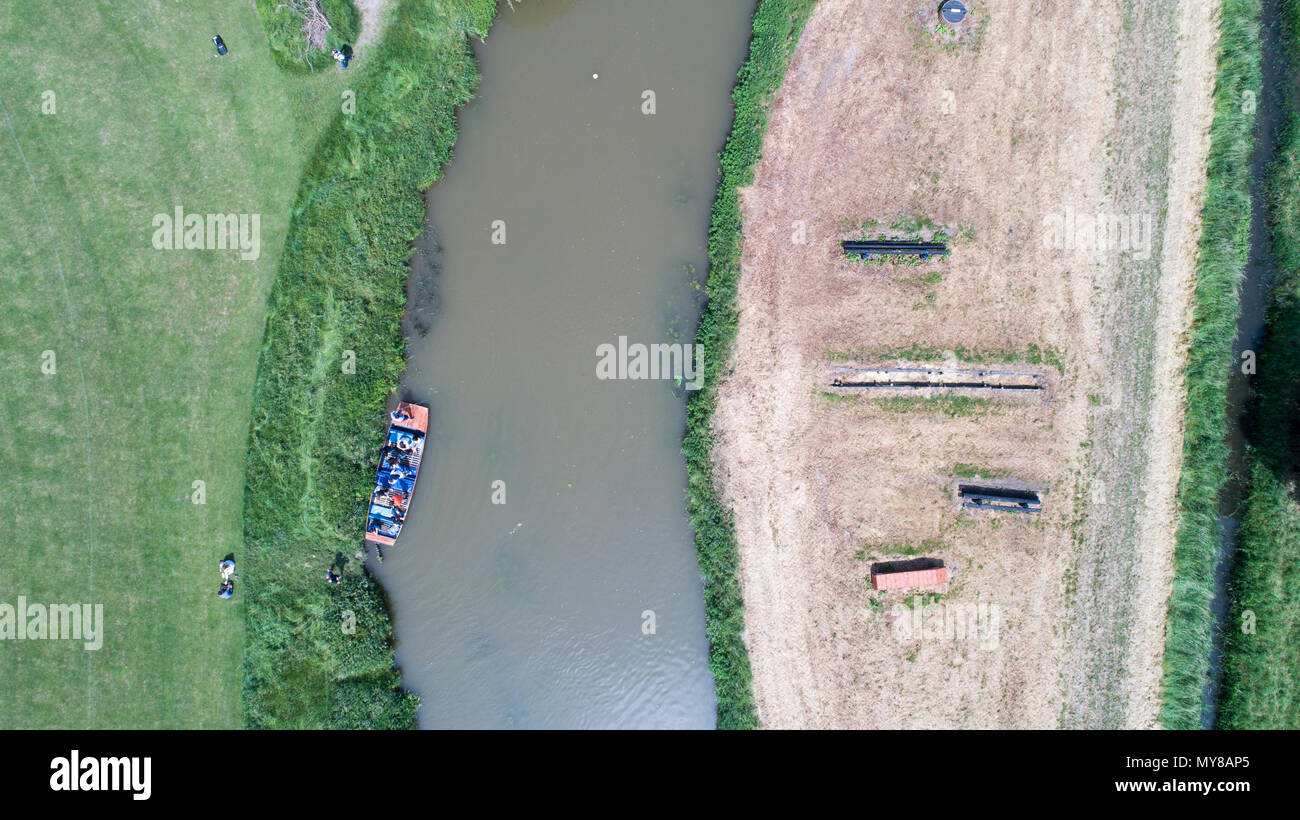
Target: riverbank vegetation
column 1261, row 667
column 320, row 656
column 303, row 33
column 1221, row 259
column 777, row 25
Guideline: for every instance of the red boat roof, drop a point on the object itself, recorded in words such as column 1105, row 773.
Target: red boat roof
column 419, row 417
column 912, row 578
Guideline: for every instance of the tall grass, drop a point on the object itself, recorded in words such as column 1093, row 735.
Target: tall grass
column 1221, row 258
column 1261, row 689
column 777, row 25
column 283, row 26
column 319, row 655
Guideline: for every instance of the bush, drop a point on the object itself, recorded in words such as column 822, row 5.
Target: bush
column 283, row 23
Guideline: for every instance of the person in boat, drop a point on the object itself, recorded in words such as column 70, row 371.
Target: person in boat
column 400, row 415
column 392, row 499
column 226, row 589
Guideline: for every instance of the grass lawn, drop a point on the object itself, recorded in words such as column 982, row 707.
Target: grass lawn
column 155, row 350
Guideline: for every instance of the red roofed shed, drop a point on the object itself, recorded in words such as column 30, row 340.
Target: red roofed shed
column 912, row 578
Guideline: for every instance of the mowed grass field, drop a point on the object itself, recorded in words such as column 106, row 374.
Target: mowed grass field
column 154, row 350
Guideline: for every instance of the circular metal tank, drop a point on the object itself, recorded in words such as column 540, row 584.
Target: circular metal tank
column 952, row 11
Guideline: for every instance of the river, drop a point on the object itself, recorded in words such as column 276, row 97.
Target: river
column 577, row 602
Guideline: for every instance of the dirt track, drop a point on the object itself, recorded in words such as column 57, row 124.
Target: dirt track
column 372, row 19
column 1014, row 125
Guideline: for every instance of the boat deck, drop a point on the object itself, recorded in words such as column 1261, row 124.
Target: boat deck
column 399, row 469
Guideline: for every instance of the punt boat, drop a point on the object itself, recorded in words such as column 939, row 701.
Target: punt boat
column 399, row 467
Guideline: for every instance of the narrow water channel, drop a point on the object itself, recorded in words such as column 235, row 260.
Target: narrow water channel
column 1250, row 326
column 576, row 602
